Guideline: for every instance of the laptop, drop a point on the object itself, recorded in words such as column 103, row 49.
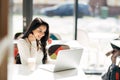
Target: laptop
column 66, row 60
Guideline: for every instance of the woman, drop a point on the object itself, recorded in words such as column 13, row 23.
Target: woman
column 33, row 42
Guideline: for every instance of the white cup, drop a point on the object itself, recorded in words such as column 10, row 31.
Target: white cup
column 32, row 63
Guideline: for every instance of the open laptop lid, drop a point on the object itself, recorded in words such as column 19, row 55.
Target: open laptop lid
column 68, row 59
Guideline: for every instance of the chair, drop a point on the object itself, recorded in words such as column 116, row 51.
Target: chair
column 83, row 37
column 54, row 49
column 16, row 54
column 55, row 36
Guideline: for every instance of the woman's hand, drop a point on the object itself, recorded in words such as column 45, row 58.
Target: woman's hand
column 31, row 37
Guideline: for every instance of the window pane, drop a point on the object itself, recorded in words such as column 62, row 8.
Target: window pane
column 96, row 31
column 17, row 21
column 58, row 14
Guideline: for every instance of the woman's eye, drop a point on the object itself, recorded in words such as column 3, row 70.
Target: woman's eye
column 41, row 32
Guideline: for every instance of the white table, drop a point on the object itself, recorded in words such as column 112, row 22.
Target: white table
column 20, row 72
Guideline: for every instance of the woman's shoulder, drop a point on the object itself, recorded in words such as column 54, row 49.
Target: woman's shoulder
column 21, row 41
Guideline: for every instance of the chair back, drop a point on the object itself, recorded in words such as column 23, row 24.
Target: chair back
column 55, row 36
column 54, row 49
column 83, row 37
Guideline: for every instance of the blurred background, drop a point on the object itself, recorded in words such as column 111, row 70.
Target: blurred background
column 93, row 23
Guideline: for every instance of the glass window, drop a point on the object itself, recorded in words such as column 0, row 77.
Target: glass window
column 17, row 19
column 97, row 25
column 57, row 14
column 96, row 31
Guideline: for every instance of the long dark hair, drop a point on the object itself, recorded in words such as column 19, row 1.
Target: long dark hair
column 43, row 41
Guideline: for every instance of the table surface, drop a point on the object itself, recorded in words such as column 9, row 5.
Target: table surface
column 20, row 72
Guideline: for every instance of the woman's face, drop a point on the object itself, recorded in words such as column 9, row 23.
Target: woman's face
column 39, row 32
